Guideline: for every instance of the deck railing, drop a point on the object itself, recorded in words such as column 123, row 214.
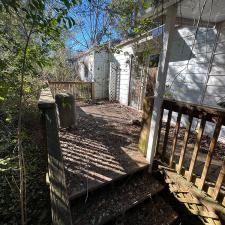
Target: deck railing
column 177, row 152
column 60, row 209
column 80, row 89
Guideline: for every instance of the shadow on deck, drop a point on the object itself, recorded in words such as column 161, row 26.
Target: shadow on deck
column 102, row 149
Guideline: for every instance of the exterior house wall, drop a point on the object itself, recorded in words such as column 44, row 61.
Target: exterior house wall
column 97, row 70
column 122, row 60
column 215, row 90
column 188, row 67
column 101, row 73
column 192, row 70
column 88, row 61
column 203, row 80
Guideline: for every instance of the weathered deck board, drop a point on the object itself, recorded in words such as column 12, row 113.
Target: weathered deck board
column 103, row 148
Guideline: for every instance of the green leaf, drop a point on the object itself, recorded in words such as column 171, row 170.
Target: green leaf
column 67, row 3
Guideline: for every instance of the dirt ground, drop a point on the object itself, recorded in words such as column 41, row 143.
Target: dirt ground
column 103, row 147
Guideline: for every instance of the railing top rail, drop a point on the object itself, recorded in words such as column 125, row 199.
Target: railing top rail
column 57, row 185
column 198, row 111
column 70, row 82
column 46, row 99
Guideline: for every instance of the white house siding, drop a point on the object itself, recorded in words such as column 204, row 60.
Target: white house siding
column 101, row 74
column 122, row 60
column 97, row 63
column 188, row 68
column 87, row 60
column 215, row 91
column 187, row 83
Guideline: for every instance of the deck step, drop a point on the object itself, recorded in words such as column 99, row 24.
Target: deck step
column 108, row 183
column 106, row 204
column 154, row 211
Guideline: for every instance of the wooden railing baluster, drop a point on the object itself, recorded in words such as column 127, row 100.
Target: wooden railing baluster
column 183, row 150
column 210, row 152
column 159, row 132
column 81, row 90
column 214, row 187
column 196, row 148
column 219, row 182
column 177, row 127
column 166, row 133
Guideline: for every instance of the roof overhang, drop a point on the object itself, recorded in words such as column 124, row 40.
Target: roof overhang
column 214, row 11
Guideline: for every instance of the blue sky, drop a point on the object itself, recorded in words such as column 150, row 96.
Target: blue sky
column 81, row 34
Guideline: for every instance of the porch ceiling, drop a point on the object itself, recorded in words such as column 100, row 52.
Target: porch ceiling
column 191, row 9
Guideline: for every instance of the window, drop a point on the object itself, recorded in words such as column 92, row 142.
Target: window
column 85, row 71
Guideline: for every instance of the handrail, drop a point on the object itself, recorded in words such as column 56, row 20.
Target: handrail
column 70, row 82
column 198, row 111
column 179, row 163
column 81, row 90
column 60, row 209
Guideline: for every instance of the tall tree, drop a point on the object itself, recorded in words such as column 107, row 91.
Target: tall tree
column 125, row 17
column 27, row 30
column 92, row 24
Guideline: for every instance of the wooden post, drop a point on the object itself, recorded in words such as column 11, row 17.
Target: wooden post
column 147, row 107
column 161, row 80
column 58, row 192
column 177, row 127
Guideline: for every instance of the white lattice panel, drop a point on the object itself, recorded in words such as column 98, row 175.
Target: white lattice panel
column 113, row 82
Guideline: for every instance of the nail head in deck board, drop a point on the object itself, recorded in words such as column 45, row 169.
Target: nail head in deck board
column 210, row 152
column 196, row 148
column 186, row 136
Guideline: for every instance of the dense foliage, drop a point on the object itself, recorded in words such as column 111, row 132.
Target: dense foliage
column 33, row 36
column 30, row 36
column 125, row 17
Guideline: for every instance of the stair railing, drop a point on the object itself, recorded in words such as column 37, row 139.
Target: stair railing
column 175, row 157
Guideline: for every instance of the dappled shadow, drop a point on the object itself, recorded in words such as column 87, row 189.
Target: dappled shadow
column 215, row 165
column 102, row 148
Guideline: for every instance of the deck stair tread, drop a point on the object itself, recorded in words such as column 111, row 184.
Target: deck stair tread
column 94, row 187
column 152, row 211
column 104, row 205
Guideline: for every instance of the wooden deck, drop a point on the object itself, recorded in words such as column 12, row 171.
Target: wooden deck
column 103, row 148
column 193, row 163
